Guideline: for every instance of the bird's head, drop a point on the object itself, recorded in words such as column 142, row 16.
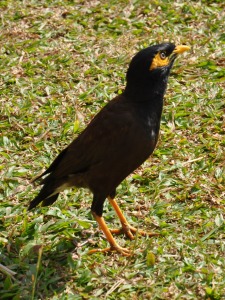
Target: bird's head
column 151, row 66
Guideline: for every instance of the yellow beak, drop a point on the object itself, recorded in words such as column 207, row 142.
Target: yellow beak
column 181, row 48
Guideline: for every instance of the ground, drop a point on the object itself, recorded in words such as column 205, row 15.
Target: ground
column 61, row 61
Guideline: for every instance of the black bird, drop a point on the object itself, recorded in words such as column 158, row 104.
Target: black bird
column 117, row 141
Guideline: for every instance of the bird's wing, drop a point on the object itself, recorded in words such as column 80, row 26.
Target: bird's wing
column 111, row 130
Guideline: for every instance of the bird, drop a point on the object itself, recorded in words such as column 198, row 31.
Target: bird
column 121, row 136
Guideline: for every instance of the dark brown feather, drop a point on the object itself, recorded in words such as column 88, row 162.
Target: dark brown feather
column 117, row 141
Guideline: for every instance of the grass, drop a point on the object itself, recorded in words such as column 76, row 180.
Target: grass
column 61, row 61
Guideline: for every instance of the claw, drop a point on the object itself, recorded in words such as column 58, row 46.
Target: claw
column 123, row 230
column 113, row 245
column 128, row 230
column 113, row 248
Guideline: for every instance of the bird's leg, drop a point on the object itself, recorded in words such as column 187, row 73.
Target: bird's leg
column 113, row 245
column 126, row 227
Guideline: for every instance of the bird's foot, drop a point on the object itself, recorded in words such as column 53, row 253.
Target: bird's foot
column 128, row 230
column 113, row 248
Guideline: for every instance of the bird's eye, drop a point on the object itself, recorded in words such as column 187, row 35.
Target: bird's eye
column 162, row 55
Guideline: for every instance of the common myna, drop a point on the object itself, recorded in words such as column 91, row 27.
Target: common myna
column 117, row 140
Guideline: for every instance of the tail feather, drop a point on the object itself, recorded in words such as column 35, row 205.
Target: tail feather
column 34, row 202
column 50, row 200
column 51, row 187
column 46, row 194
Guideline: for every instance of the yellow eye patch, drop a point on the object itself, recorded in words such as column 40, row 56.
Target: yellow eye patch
column 158, row 61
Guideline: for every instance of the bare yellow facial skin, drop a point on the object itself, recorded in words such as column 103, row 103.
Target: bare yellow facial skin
column 161, row 61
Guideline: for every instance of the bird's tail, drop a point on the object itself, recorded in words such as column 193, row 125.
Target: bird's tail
column 47, row 196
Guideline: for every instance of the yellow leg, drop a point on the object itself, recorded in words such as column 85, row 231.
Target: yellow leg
column 126, row 227
column 113, row 245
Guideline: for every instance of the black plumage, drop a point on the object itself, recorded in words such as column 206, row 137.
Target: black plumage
column 118, row 139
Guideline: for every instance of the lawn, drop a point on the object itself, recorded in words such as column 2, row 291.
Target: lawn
column 61, row 61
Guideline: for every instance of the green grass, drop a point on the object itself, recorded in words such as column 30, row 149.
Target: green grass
column 60, row 62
